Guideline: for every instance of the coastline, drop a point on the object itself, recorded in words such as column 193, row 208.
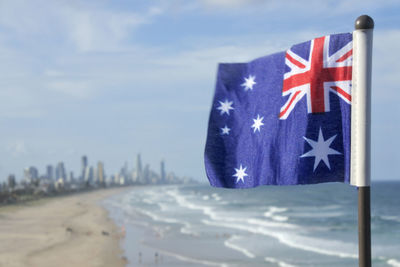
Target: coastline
column 68, row 230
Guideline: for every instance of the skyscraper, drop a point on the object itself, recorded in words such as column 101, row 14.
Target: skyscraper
column 84, row 162
column 139, row 167
column 146, row 174
column 71, row 177
column 88, row 174
column 60, row 171
column 11, row 181
column 100, row 173
column 31, row 174
column 162, row 172
column 50, row 172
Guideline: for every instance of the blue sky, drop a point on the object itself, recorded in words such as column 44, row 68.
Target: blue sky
column 110, row 79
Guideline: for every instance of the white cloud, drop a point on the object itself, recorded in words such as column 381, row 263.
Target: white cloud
column 103, row 29
column 73, row 88
column 386, row 66
column 230, row 3
column 100, row 30
column 53, row 73
column 86, row 26
column 290, row 6
column 19, row 102
column 17, row 148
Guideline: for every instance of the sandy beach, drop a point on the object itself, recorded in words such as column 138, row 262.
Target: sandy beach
column 63, row 231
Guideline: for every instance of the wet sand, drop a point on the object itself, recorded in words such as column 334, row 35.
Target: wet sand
column 72, row 230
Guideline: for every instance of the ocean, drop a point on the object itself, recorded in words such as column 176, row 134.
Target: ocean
column 310, row 225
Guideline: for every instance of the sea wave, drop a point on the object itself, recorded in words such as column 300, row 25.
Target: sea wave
column 265, row 223
column 390, row 218
column 216, row 196
column 193, row 260
column 186, row 229
column 214, row 215
column 181, row 201
column 393, row 262
column 229, row 243
column 280, row 263
column 148, row 201
column 272, row 211
column 291, row 239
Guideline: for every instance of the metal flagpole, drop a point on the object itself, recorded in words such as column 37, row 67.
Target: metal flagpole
column 361, row 132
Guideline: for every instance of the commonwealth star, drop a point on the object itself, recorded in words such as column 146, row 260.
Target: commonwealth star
column 320, row 150
column 240, row 174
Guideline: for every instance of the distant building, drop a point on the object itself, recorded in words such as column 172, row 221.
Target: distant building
column 146, row 174
column 60, row 171
column 139, row 171
column 163, row 176
column 100, row 173
column 59, row 184
column 84, row 165
column 135, row 177
column 70, row 178
column 89, row 175
column 11, row 181
column 50, row 172
column 31, row 174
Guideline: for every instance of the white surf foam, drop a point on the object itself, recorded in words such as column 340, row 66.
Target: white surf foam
column 271, row 224
column 186, row 229
column 280, row 263
column 216, row 196
column 148, row 201
column 193, row 260
column 393, row 262
column 181, row 201
column 206, row 210
column 390, row 218
column 209, row 211
column 156, row 217
column 290, row 239
column 318, row 214
column 162, row 206
column 272, row 211
column 229, row 243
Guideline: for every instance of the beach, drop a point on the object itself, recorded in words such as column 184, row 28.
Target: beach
column 72, row 230
column 196, row 225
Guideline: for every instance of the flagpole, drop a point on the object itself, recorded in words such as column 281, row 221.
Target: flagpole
column 361, row 132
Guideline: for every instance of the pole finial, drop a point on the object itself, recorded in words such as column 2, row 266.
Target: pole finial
column 364, row 22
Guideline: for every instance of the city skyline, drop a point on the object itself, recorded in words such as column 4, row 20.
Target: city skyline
column 59, row 180
column 89, row 172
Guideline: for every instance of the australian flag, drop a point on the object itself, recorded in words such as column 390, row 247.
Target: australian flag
column 283, row 119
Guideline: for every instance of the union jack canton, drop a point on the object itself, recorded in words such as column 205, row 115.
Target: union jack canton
column 283, row 119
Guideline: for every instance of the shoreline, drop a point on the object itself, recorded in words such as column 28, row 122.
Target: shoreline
column 67, row 230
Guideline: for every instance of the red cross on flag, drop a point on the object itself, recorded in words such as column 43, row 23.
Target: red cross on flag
column 316, row 77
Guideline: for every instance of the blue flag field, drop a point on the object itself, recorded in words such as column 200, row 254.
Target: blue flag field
column 283, row 119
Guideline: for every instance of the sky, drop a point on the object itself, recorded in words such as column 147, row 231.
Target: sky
column 110, row 79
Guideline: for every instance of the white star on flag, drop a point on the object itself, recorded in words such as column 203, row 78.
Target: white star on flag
column 225, row 106
column 320, row 150
column 240, row 174
column 225, row 130
column 249, row 83
column 257, row 123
